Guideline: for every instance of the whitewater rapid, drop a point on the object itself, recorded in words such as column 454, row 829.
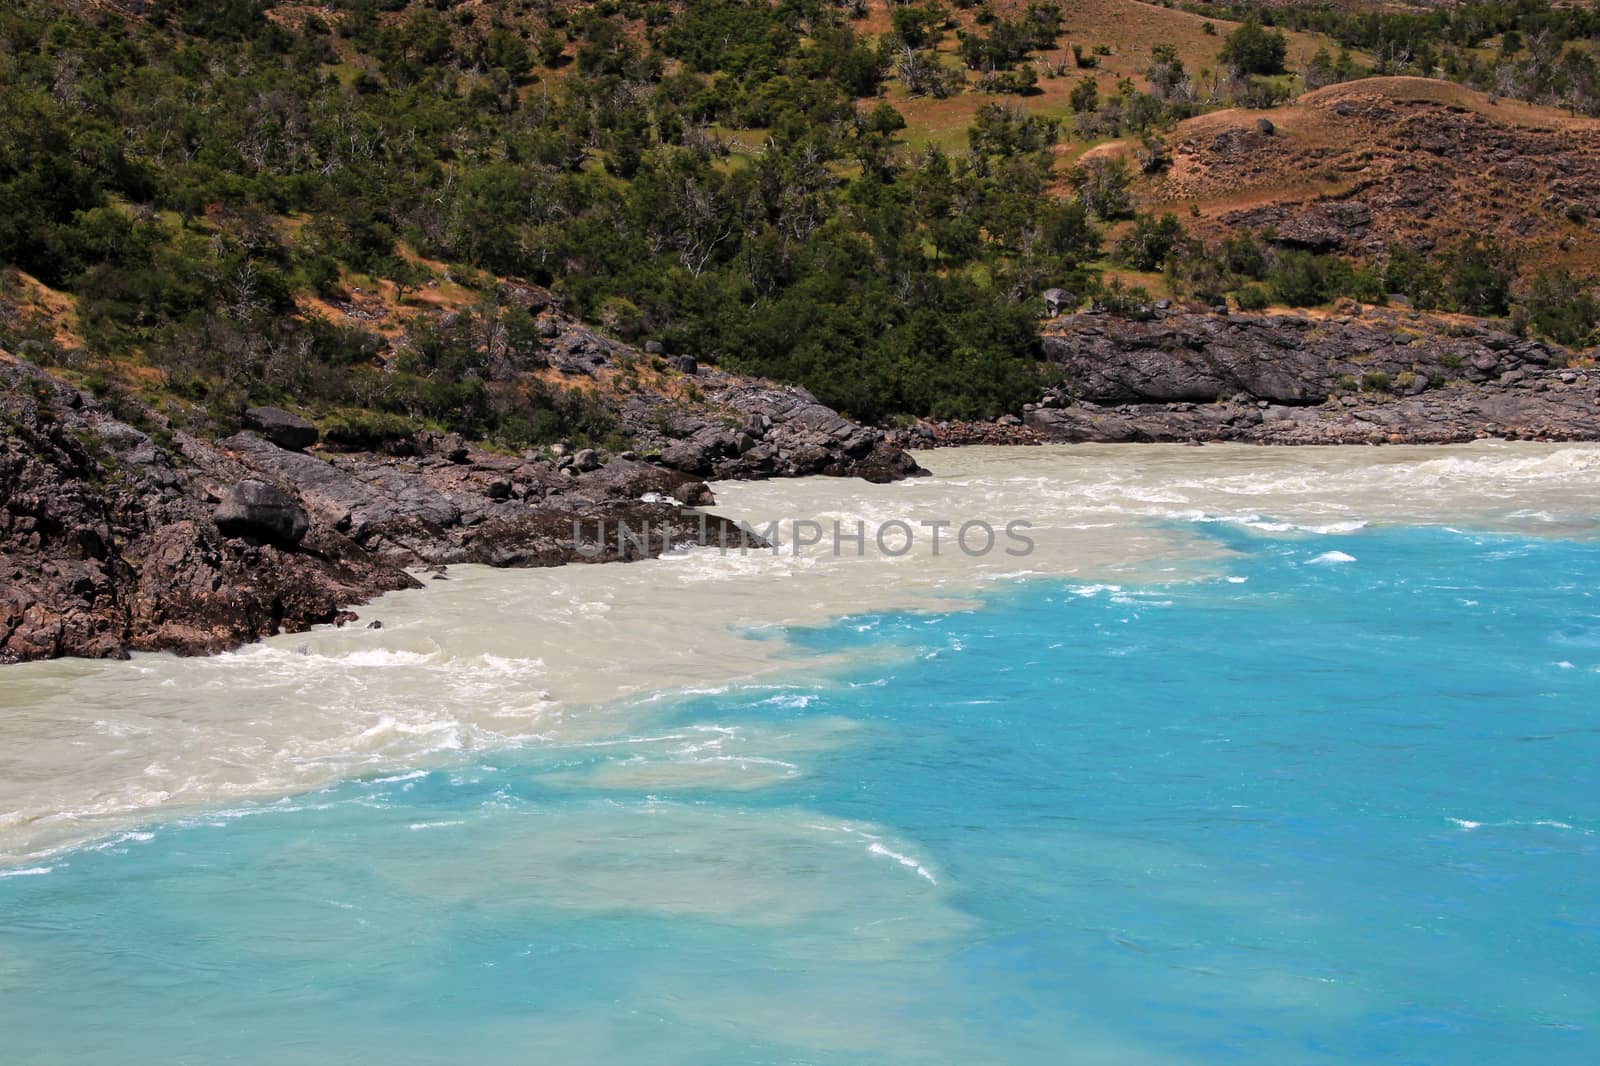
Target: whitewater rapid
column 494, row 658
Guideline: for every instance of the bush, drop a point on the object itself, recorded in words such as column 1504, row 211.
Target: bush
column 1252, row 298
column 1151, row 241
column 1301, row 279
column 1559, row 307
column 1478, row 277
column 1250, row 49
column 1131, row 301
column 621, row 317
column 1243, row 256
column 1103, row 187
column 1409, row 273
column 356, row 427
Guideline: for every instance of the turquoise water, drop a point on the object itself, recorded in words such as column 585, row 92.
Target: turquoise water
column 1340, row 805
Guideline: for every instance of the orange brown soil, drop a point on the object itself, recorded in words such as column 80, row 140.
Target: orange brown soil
column 1357, row 166
column 1129, row 28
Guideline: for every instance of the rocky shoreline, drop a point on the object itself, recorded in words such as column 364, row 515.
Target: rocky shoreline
column 116, row 538
column 1362, row 376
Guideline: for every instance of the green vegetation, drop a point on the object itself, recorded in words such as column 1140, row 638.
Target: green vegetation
column 1544, row 54
column 1250, row 49
column 1559, row 307
column 722, row 176
column 189, row 197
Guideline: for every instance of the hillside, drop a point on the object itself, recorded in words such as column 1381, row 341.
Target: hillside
column 1357, row 167
column 294, row 298
column 335, row 206
column 1118, row 36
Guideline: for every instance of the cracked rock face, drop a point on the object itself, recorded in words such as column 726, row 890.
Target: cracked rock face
column 1366, row 376
column 1373, row 377
column 255, row 509
column 108, row 544
column 114, row 539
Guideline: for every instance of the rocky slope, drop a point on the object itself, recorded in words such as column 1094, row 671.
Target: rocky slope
column 1354, row 168
column 1358, row 377
column 116, row 538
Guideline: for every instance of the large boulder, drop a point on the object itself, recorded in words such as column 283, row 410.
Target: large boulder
column 281, row 428
column 693, row 456
column 261, row 511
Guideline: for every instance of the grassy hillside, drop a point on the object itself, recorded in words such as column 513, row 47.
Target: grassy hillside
column 219, row 203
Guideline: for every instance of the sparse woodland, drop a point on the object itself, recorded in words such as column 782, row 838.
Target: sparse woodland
column 734, row 180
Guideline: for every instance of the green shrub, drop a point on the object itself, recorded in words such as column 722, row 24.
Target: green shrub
column 1250, row 49
column 1303, row 279
column 1252, row 298
column 1151, row 241
column 1560, row 307
column 356, row 427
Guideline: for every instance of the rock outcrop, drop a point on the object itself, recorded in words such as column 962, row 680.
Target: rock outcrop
column 708, row 423
column 1373, row 376
column 282, row 428
column 757, row 430
column 108, row 543
column 1357, row 167
column 116, row 538
column 255, row 510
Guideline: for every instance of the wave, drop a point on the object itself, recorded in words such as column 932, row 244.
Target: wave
column 576, row 655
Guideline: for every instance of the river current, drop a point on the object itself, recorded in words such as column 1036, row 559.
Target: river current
column 1256, row 756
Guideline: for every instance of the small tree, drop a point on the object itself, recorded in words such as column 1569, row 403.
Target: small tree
column 1321, row 70
column 1085, row 95
column 1250, row 49
column 1102, row 186
column 1479, row 276
column 1561, row 308
column 1151, row 241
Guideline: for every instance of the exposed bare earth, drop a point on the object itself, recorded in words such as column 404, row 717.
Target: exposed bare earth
column 1355, row 167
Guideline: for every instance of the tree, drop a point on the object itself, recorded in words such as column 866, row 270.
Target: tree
column 1302, row 279
column 1479, row 275
column 1151, row 241
column 1250, row 49
column 884, row 119
column 1561, row 308
column 1166, row 71
column 1085, row 95
column 1321, row 70
column 1102, row 184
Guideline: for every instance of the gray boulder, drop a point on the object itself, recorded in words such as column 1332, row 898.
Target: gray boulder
column 261, row 511
column 690, row 456
column 694, row 494
column 282, row 428
column 1058, row 302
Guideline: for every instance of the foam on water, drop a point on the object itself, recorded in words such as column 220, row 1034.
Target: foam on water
column 1109, row 809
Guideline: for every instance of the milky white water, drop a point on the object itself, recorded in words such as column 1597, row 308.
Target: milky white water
column 492, row 658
